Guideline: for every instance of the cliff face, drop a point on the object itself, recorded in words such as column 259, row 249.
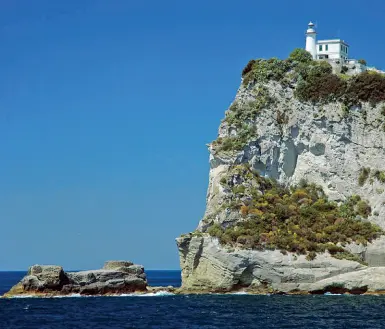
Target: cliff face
column 336, row 144
column 319, row 143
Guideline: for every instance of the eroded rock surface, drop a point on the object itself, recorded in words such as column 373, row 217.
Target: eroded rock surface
column 116, row 277
column 208, row 265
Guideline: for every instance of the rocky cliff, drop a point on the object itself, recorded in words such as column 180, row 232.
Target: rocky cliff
column 296, row 198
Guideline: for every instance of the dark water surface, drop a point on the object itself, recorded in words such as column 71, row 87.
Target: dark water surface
column 205, row 311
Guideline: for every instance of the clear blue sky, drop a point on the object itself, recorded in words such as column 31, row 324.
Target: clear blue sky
column 106, row 107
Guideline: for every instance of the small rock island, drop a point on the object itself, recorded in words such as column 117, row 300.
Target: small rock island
column 116, row 277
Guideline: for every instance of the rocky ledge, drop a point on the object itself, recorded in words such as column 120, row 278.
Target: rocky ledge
column 116, row 277
column 209, row 267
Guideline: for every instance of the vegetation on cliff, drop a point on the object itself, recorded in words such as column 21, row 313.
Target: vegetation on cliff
column 314, row 81
column 365, row 173
column 241, row 118
column 311, row 81
column 299, row 219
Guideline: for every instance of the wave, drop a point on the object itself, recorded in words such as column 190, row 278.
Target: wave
column 22, row 296
column 161, row 293
column 331, row 294
column 240, row 293
column 70, row 296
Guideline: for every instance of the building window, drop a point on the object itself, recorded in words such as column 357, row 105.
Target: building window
column 342, row 48
column 326, row 47
column 320, row 47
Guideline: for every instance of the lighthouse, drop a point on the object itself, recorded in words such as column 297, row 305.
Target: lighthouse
column 333, row 49
column 311, row 42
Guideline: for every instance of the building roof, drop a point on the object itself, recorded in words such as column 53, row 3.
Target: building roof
column 333, row 41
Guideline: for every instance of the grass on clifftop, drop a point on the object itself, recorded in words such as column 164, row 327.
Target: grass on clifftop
column 315, row 81
column 300, row 219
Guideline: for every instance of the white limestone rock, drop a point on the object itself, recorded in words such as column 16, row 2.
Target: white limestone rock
column 207, row 265
column 319, row 143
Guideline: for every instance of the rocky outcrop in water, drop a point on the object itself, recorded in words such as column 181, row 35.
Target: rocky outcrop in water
column 208, row 266
column 116, row 277
column 335, row 141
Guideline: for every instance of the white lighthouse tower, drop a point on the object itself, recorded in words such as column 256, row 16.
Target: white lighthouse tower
column 311, row 42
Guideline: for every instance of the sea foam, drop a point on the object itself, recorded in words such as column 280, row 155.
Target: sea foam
column 161, row 293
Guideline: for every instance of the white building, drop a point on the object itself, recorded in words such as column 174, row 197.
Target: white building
column 325, row 49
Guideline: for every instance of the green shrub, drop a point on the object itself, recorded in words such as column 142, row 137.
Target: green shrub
column 321, row 68
column 248, row 67
column 365, row 173
column 349, row 256
column 282, row 118
column 362, row 61
column 363, row 209
column 336, row 285
column 239, row 189
column 265, row 70
column 379, row 175
column 215, row 230
column 236, row 142
column 247, row 241
column 301, row 55
column 319, row 84
column 366, row 87
column 238, row 114
column 333, row 249
column 311, row 256
column 363, row 176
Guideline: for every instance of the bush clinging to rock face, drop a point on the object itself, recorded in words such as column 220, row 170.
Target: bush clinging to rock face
column 238, row 114
column 300, row 220
column 367, row 87
column 265, row 70
column 362, row 61
column 248, row 67
column 364, row 175
column 236, row 142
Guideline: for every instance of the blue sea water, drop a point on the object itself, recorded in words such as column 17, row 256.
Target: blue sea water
column 190, row 311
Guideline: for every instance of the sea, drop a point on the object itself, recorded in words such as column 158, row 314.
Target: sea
column 165, row 310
